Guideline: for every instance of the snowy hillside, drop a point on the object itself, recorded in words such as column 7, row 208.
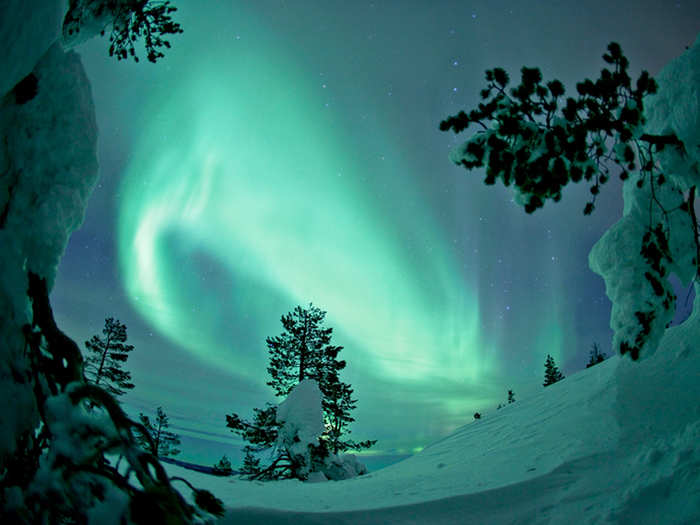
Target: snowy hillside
column 584, row 450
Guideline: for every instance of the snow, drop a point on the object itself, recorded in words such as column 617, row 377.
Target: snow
column 614, row 443
column 302, row 415
column 679, row 80
column 625, row 284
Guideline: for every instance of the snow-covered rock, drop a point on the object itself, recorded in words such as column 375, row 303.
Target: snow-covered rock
column 343, row 466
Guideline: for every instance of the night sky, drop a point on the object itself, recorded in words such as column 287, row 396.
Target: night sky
column 288, row 152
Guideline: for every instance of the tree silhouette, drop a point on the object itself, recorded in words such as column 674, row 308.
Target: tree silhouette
column 162, row 443
column 596, row 356
column 551, row 372
column 103, row 366
column 251, row 464
column 304, row 351
column 127, row 22
column 67, row 443
column 533, row 138
column 223, row 467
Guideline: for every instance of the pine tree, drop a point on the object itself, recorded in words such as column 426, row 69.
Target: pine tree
column 162, row 443
column 596, row 356
column 303, row 351
column 223, row 467
column 511, row 397
column 108, row 354
column 536, row 139
column 251, row 464
column 551, row 372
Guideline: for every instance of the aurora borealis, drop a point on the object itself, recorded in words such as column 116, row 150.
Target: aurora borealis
column 267, row 193
column 282, row 155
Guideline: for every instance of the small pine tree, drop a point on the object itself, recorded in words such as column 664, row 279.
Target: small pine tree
column 107, row 356
column 477, row 415
column 596, row 356
column 162, row 442
column 251, row 464
column 223, row 467
column 511, row 397
column 551, row 372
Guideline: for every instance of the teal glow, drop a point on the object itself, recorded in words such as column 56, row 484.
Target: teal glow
column 242, row 172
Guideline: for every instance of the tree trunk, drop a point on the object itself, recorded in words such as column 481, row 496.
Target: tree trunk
column 102, row 362
column 303, row 350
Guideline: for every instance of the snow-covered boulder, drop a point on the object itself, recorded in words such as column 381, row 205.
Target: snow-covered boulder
column 343, row 466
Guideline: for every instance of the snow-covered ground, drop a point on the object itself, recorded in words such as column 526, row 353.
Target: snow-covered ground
column 615, row 443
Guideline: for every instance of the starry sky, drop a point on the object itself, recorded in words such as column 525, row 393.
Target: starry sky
column 288, row 152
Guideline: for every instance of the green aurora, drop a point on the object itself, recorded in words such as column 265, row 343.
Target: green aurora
column 244, row 177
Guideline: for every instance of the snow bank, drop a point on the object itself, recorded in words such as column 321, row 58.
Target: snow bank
column 611, row 444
